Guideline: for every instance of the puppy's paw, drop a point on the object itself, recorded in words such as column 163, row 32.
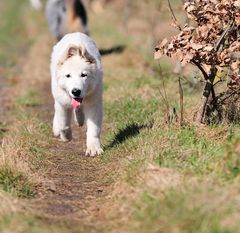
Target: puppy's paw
column 66, row 135
column 93, row 150
column 56, row 131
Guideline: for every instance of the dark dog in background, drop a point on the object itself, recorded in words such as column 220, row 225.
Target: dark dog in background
column 65, row 16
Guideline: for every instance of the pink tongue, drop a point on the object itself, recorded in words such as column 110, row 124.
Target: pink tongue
column 75, row 104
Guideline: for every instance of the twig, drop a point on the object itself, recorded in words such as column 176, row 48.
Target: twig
column 211, row 79
column 181, row 100
column 201, row 69
column 165, row 94
column 164, row 97
column 218, row 82
column 175, row 115
column 221, row 79
column 164, row 100
column 233, row 93
column 167, row 106
column 173, row 16
column 222, row 37
column 164, row 89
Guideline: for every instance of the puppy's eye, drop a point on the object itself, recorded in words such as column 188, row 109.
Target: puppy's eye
column 84, row 74
column 68, row 75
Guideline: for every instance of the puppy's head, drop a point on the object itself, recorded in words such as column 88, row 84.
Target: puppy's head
column 77, row 72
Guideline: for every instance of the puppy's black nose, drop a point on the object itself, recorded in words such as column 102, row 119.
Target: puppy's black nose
column 76, row 92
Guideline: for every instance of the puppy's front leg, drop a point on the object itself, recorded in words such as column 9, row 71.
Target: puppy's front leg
column 62, row 122
column 93, row 116
column 79, row 116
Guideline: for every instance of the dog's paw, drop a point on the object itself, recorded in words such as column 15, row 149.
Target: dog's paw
column 66, row 135
column 93, row 151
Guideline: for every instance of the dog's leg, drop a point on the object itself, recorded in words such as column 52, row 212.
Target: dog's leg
column 79, row 116
column 93, row 115
column 62, row 122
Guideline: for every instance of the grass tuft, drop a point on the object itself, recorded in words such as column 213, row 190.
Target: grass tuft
column 16, row 183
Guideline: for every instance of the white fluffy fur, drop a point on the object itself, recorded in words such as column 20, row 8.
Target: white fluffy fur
column 90, row 111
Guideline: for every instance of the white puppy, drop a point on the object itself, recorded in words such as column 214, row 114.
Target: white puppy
column 77, row 87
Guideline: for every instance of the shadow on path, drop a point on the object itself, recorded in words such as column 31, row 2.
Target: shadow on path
column 129, row 131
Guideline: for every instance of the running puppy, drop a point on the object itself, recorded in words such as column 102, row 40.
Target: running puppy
column 66, row 16
column 76, row 74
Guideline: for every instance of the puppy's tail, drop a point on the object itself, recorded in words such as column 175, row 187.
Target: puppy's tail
column 115, row 49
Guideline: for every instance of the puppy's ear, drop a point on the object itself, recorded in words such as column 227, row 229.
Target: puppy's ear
column 71, row 51
column 74, row 50
column 87, row 56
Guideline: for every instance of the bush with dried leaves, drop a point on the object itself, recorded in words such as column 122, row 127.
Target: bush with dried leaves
column 210, row 41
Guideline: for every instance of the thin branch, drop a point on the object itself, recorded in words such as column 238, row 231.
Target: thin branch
column 181, row 100
column 164, row 100
column 201, row 69
column 211, row 79
column 173, row 16
column 164, row 89
column 221, row 79
column 166, row 104
column 233, row 93
column 164, row 97
column 224, row 34
column 218, row 82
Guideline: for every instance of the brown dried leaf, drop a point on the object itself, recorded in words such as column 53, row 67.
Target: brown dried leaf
column 158, row 54
column 196, row 46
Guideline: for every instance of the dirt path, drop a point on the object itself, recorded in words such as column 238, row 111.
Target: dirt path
column 73, row 188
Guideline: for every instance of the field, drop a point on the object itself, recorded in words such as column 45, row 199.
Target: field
column 154, row 176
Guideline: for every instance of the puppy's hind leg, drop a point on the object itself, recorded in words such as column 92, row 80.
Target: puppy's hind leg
column 79, row 116
column 62, row 122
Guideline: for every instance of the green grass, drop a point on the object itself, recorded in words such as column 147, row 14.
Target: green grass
column 25, row 151
column 177, row 211
column 21, row 222
column 231, row 160
column 16, row 183
column 129, row 111
column 12, row 32
column 34, row 136
column 188, row 152
column 30, row 99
